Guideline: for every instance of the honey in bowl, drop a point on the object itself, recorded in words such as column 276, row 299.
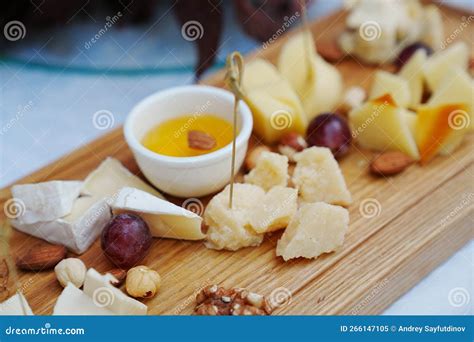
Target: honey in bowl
column 170, row 138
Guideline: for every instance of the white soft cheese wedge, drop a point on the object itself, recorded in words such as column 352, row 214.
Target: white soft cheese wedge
column 412, row 72
column 277, row 208
column 387, row 83
column 164, row 218
column 440, row 64
column 271, row 170
column 317, row 177
column 316, row 228
column 99, row 297
column 46, row 201
column 230, row 228
column 16, row 305
column 91, row 212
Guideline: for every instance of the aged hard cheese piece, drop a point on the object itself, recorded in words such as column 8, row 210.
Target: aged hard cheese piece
column 318, row 178
column 436, row 129
column 164, row 218
column 387, row 83
column 317, row 83
column 441, row 63
column 230, row 228
column 316, row 228
column 275, row 106
column 456, row 87
column 91, row 212
column 276, row 210
column 271, row 170
column 46, row 201
column 15, row 305
column 412, row 72
column 381, row 125
column 99, row 297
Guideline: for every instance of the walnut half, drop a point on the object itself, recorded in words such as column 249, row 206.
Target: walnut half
column 214, row 300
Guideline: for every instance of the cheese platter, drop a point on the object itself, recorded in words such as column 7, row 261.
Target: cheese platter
column 314, row 224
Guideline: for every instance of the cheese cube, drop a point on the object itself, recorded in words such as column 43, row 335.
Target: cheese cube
column 271, row 170
column 412, row 72
column 317, row 177
column 440, row 64
column 380, row 125
column 230, row 228
column 275, row 211
column 316, row 228
column 387, row 83
column 456, row 87
column 46, row 201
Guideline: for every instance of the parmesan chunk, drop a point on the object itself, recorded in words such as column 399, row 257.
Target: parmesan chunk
column 230, row 228
column 316, row 228
column 318, row 178
column 271, row 170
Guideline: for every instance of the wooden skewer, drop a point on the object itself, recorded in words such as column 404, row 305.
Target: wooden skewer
column 235, row 66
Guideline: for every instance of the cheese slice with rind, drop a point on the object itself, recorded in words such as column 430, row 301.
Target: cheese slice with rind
column 387, row 83
column 164, row 218
column 412, row 72
column 46, row 201
column 99, row 297
column 16, row 305
column 316, row 228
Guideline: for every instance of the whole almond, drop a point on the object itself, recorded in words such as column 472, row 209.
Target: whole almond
column 119, row 274
column 330, row 51
column 200, row 140
column 41, row 257
column 390, row 163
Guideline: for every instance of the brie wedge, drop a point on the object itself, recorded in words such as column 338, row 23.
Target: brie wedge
column 99, row 297
column 164, row 218
column 16, row 305
column 46, row 201
column 91, row 212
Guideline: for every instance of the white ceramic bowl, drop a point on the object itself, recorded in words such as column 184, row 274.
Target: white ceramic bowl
column 187, row 176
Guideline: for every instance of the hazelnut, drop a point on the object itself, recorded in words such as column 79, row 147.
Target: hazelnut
column 142, row 282
column 71, row 270
column 290, row 144
column 252, row 156
column 119, row 276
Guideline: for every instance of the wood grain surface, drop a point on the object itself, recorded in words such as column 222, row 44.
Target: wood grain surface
column 419, row 219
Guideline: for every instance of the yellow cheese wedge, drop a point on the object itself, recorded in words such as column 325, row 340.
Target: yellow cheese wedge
column 438, row 65
column 437, row 129
column 412, row 72
column 380, row 125
column 456, row 87
column 387, row 83
column 275, row 106
column 318, row 83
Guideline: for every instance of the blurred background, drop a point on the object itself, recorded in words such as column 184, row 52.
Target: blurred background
column 63, row 61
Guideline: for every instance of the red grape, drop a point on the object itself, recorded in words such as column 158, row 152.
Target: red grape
column 408, row 51
column 331, row 131
column 126, row 240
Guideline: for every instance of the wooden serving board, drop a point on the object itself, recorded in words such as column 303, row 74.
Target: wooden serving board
column 421, row 217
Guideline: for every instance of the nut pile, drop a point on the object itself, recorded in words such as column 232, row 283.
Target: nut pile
column 215, row 300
